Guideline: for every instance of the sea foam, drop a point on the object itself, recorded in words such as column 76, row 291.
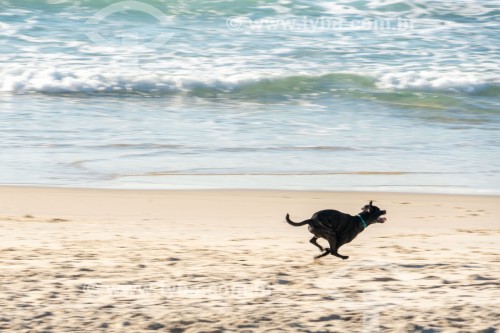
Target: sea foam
column 94, row 80
column 434, row 81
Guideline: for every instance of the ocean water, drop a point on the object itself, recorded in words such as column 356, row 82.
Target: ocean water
column 380, row 95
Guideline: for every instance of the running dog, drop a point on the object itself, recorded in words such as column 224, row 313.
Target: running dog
column 339, row 228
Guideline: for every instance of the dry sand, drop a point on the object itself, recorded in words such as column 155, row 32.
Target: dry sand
column 76, row 260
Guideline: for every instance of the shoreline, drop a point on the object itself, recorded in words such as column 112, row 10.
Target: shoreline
column 478, row 193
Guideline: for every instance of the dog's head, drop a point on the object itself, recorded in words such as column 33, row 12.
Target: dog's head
column 373, row 214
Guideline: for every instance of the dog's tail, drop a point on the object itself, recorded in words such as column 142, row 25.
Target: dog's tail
column 295, row 224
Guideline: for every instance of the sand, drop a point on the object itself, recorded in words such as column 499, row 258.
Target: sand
column 84, row 260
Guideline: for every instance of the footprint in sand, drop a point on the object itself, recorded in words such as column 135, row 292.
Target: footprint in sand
column 476, row 212
column 56, row 220
column 29, row 217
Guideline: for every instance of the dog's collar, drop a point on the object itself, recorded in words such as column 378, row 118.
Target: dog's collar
column 362, row 221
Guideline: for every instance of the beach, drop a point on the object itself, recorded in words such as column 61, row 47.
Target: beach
column 150, row 151
column 95, row 260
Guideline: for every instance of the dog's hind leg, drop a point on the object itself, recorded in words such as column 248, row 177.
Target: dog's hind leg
column 314, row 242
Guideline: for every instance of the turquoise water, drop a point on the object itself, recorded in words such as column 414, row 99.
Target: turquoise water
column 352, row 95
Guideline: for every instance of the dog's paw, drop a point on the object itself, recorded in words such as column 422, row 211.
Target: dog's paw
column 345, row 257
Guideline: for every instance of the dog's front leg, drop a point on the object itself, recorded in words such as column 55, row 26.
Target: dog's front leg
column 327, row 252
column 334, row 247
column 340, row 256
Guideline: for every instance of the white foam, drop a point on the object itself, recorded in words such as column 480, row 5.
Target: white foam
column 339, row 8
column 68, row 79
column 59, row 80
column 7, row 29
column 434, row 81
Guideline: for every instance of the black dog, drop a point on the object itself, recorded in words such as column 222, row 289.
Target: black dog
column 339, row 228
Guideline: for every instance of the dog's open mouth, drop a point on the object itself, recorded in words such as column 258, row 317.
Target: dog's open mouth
column 381, row 219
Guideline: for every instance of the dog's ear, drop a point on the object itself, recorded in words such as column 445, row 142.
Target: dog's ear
column 365, row 209
column 371, row 201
